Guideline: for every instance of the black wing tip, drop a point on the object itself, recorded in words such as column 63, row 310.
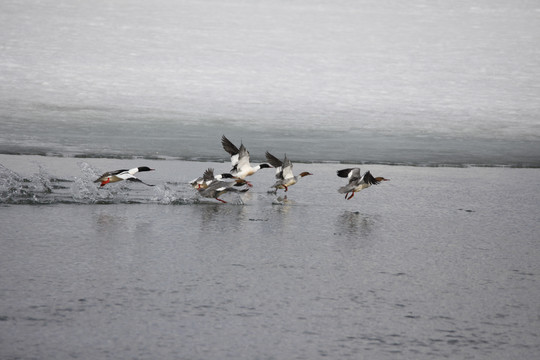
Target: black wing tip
column 228, row 146
column 369, row 179
column 138, row 180
column 268, row 155
column 344, row 172
column 224, row 140
column 274, row 161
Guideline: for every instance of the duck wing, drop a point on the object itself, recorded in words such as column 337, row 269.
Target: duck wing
column 243, row 159
column 208, row 175
column 350, row 173
column 110, row 173
column 275, row 162
column 228, row 146
column 369, row 179
column 287, row 168
column 134, row 179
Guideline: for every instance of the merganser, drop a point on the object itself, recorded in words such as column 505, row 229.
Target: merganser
column 357, row 182
column 207, row 178
column 240, row 160
column 123, row 174
column 218, row 187
column 284, row 172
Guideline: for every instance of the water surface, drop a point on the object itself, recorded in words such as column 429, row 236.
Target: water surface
column 436, row 263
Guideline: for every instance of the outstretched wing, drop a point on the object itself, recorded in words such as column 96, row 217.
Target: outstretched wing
column 275, row 162
column 243, row 159
column 346, row 173
column 208, row 175
column 369, row 179
column 287, row 168
column 134, row 179
column 228, row 146
column 353, row 174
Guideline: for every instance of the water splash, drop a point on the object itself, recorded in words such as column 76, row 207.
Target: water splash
column 16, row 189
column 84, row 190
column 166, row 194
column 46, row 188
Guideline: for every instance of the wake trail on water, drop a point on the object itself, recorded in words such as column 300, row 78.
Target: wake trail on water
column 43, row 188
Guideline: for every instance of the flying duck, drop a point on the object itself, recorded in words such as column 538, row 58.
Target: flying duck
column 284, row 174
column 207, row 178
column 240, row 160
column 217, row 188
column 123, row 174
column 357, row 182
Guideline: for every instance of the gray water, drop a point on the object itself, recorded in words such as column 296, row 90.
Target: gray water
column 436, row 263
column 440, row 262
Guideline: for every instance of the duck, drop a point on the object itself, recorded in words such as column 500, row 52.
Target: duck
column 284, row 174
column 208, row 177
column 357, row 182
column 123, row 174
column 240, row 160
column 216, row 188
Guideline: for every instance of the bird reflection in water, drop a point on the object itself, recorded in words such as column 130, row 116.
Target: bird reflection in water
column 355, row 226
